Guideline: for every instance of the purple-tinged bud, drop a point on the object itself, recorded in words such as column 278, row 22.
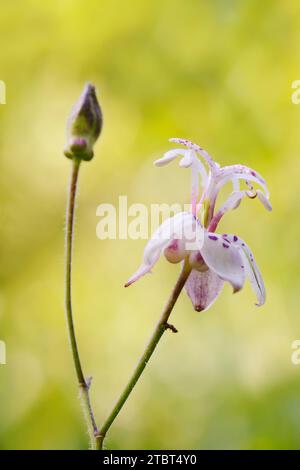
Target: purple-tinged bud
column 175, row 251
column 197, row 262
column 84, row 125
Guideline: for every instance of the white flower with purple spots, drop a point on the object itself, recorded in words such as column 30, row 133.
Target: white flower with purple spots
column 214, row 258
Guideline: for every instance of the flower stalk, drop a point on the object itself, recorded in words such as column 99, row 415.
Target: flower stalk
column 82, row 382
column 158, row 332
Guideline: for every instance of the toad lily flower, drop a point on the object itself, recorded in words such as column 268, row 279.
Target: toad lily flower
column 214, row 258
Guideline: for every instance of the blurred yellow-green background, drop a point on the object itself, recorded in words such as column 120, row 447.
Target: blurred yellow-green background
column 220, row 73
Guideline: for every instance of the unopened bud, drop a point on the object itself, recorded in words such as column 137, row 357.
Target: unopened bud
column 84, row 125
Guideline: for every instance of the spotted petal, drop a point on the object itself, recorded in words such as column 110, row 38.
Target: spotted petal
column 238, row 172
column 224, row 259
column 205, row 155
column 203, row 288
column 252, row 270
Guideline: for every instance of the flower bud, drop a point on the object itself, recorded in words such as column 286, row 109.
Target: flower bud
column 175, row 251
column 197, row 262
column 84, row 125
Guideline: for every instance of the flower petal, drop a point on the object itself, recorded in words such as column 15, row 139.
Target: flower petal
column 203, row 288
column 232, row 172
column 187, row 143
column 151, row 255
column 173, row 226
column 187, row 159
column 203, row 173
column 224, row 259
column 231, row 203
column 252, row 270
column 142, row 270
column 264, row 200
column 190, row 160
column 169, row 157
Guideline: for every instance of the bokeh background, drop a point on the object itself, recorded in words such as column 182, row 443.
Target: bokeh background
column 220, row 73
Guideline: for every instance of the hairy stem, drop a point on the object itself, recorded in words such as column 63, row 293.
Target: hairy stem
column 83, row 384
column 159, row 330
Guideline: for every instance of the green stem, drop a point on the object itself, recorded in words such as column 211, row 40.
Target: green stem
column 160, row 328
column 83, row 384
